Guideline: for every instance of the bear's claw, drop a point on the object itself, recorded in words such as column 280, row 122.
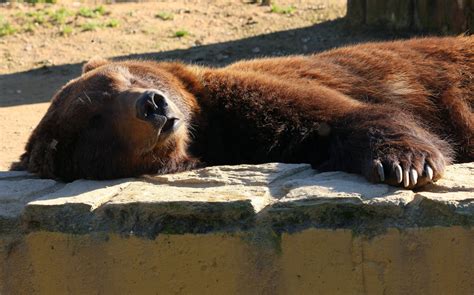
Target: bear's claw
column 380, row 170
column 429, row 172
column 408, row 178
column 398, row 172
column 413, row 177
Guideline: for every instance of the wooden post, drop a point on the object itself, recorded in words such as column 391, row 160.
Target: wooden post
column 445, row 16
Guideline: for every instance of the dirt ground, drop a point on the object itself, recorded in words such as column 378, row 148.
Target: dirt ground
column 34, row 64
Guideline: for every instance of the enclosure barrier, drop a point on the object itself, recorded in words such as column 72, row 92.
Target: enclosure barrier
column 447, row 16
column 264, row 229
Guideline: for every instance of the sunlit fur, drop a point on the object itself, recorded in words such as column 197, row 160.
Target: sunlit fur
column 405, row 102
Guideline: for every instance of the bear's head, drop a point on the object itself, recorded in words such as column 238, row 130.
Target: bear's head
column 118, row 119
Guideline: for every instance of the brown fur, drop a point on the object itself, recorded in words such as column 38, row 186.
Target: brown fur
column 407, row 102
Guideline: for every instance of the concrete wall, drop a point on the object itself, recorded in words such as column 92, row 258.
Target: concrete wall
column 445, row 16
column 314, row 261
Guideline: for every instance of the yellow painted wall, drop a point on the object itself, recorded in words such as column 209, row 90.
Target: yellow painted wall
column 437, row 260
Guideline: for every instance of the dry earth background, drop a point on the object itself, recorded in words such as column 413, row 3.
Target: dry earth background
column 49, row 43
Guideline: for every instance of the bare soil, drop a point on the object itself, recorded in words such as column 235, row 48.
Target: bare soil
column 33, row 65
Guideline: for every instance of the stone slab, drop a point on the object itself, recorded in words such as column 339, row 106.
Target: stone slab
column 14, row 174
column 15, row 194
column 246, row 175
column 283, row 197
column 341, row 200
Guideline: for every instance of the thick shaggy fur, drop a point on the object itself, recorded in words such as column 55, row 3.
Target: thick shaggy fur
column 406, row 103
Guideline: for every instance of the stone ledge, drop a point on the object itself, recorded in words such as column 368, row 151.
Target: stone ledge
column 281, row 197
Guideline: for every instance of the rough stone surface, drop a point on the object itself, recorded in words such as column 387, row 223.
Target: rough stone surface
column 14, row 174
column 282, row 197
column 15, row 194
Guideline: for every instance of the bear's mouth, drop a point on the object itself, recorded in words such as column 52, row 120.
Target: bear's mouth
column 170, row 125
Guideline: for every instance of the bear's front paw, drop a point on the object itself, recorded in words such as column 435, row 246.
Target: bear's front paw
column 407, row 167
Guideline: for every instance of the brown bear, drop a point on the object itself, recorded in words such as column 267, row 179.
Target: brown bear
column 395, row 112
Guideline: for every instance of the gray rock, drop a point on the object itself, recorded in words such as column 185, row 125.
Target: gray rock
column 280, row 197
column 15, row 194
column 13, row 174
column 234, row 175
column 341, row 200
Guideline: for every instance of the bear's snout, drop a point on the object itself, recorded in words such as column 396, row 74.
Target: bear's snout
column 154, row 107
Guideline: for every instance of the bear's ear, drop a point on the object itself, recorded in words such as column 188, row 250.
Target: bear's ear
column 94, row 64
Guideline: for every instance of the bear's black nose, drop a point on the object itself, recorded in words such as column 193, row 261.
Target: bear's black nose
column 151, row 103
column 153, row 107
column 159, row 100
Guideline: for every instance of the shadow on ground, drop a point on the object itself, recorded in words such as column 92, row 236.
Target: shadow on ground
column 39, row 85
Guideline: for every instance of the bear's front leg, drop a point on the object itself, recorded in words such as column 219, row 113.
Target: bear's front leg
column 386, row 146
